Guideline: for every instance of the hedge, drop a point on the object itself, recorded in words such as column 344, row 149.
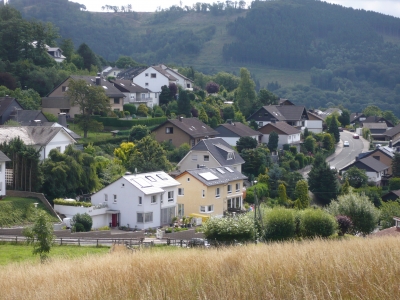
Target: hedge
column 116, row 122
column 71, row 203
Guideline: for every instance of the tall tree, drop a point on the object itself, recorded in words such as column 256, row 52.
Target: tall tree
column 265, row 97
column 273, row 141
column 89, row 57
column 245, row 93
column 356, row 177
column 334, row 129
column 344, row 118
column 90, row 99
column 68, row 48
column 165, row 95
column 301, row 194
column 246, row 142
column 184, row 104
column 396, row 165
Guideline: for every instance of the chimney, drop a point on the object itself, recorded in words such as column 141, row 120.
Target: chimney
column 229, row 121
column 98, row 80
column 356, row 114
column 37, row 122
column 180, row 119
column 390, row 144
column 62, row 119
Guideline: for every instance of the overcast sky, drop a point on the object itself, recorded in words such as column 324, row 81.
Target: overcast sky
column 389, row 7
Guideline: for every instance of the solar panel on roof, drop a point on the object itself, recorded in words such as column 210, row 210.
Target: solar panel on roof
column 220, row 170
column 208, row 176
column 142, row 182
column 229, row 169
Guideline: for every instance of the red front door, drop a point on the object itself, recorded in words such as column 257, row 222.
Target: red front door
column 114, row 220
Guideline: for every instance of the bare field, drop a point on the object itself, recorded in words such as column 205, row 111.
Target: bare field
column 360, row 268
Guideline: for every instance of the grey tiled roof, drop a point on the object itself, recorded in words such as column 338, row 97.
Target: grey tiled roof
column 284, row 127
column 4, row 157
column 240, row 129
column 4, row 103
column 165, row 73
column 218, row 148
column 128, row 86
column 375, row 125
column 26, row 116
column 193, row 127
column 371, row 163
column 110, row 90
column 291, row 112
column 222, row 178
column 392, row 132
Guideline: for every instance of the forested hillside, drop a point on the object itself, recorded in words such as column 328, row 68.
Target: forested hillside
column 315, row 53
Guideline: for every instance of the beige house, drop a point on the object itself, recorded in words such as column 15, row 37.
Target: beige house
column 210, row 191
column 56, row 102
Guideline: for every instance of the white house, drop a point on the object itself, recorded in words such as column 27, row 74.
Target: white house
column 287, row 134
column 135, row 94
column 183, row 81
column 374, row 169
column 231, row 132
column 43, row 138
column 3, row 159
column 146, row 200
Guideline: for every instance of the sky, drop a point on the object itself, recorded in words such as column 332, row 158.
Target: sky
column 388, row 7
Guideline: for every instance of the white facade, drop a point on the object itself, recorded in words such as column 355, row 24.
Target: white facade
column 2, row 178
column 140, row 201
column 100, row 214
column 151, row 79
column 149, row 98
column 313, row 125
column 181, row 80
column 60, row 141
column 232, row 140
column 283, row 139
column 196, row 159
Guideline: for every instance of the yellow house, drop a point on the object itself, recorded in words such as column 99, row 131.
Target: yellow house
column 210, row 191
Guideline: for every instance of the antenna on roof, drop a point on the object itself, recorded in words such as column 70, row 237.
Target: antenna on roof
column 135, row 171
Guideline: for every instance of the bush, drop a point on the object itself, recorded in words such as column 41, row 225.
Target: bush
column 82, row 219
column 344, row 224
column 389, row 210
column 317, row 223
column 228, row 229
column 262, row 191
column 394, row 184
column 138, row 132
column 279, row 224
column 60, row 201
column 78, row 227
column 115, row 122
column 131, row 108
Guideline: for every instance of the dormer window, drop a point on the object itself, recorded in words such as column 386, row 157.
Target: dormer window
column 231, row 155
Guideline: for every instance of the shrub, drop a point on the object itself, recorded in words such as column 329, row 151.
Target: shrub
column 131, row 108
column 317, row 223
column 115, row 122
column 138, row 132
column 262, row 191
column 388, row 211
column 293, row 149
column 394, row 184
column 104, row 228
column 82, row 219
column 279, row 224
column 228, row 229
column 344, row 224
column 78, row 227
column 60, row 201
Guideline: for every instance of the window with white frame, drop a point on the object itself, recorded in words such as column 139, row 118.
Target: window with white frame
column 210, row 208
column 202, row 209
column 145, row 217
column 194, row 157
column 115, row 198
column 105, row 197
column 181, row 191
column 170, row 196
column 153, row 75
column 140, row 201
column 207, row 208
column 203, row 193
column 206, row 158
column 153, row 199
column 237, row 187
column 231, row 155
column 169, row 130
column 217, row 194
column 229, row 188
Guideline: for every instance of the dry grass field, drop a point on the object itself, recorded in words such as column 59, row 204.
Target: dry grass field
column 358, row 268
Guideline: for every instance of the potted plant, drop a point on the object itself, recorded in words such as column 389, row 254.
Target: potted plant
column 173, row 221
column 183, row 221
column 189, row 222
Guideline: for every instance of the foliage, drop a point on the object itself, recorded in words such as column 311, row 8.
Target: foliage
column 230, row 229
column 40, row 235
column 344, row 118
column 116, row 122
column 28, row 98
column 309, row 144
column 301, row 195
column 389, row 210
column 394, row 184
column 279, row 224
column 138, row 132
column 89, row 57
column 256, row 161
column 131, row 108
column 344, row 224
column 246, row 142
column 177, row 154
column 50, row 117
column 282, row 194
column 273, row 141
column 124, row 152
column 334, row 129
column 359, row 209
column 212, row 87
column 345, row 187
column 317, row 223
column 82, row 221
column 142, row 110
column 60, row 201
column 245, row 95
column 396, row 165
column 265, row 97
column 261, row 190
column 328, row 142
column 125, row 62
column 356, row 177
column 184, row 104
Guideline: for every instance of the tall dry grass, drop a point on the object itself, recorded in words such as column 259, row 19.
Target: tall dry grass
column 348, row 269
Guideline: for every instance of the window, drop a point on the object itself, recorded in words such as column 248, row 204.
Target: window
column 229, row 188
column 170, row 196
column 181, row 192
column 194, row 157
column 203, row 194
column 1, row 165
column 188, row 85
column 1, row 186
column 146, row 74
column 143, row 96
column 64, row 88
column 188, row 179
column 145, row 217
column 210, row 208
column 150, row 178
column 140, row 200
column 217, row 194
column 155, row 95
column 231, row 155
column 206, row 158
column 58, row 149
column 237, row 187
column 169, row 130
column 207, row 209
column 260, row 124
column 153, row 75
column 146, row 84
column 105, row 197
column 181, row 210
column 115, row 198
column 202, row 209
column 116, row 100
column 153, row 199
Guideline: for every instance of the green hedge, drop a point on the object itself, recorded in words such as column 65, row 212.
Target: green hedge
column 72, row 203
column 116, row 122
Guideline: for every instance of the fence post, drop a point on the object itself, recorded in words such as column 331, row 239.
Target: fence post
column 181, row 243
column 61, row 242
column 16, row 239
column 79, row 242
column 97, row 242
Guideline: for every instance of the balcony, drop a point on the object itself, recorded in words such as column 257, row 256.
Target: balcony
column 140, row 100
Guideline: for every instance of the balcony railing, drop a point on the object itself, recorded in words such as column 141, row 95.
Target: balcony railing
column 141, row 100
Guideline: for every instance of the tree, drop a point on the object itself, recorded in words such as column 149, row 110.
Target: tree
column 265, row 97
column 203, row 115
column 394, row 184
column 345, row 187
column 359, row 209
column 256, row 161
column 389, row 210
column 142, row 110
column 322, row 180
column 90, row 99
column 372, row 110
column 282, row 194
column 246, row 142
column 301, row 194
column 344, row 224
column 390, row 116
column 149, row 156
column 245, row 93
column 273, row 141
column 309, row 144
column 356, row 177
column 261, row 189
column 184, row 104
column 131, row 108
column 396, row 165
column 124, row 152
column 212, row 87
column 165, row 95
column 89, row 57
column 334, row 129
column 124, row 62
column 138, row 132
column 67, row 46
column 173, row 90
column 344, row 118
column 40, row 235
column 228, row 112
column 328, row 141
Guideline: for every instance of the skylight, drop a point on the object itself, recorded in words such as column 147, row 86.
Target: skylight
column 106, row 88
column 208, row 176
column 220, row 170
column 150, row 178
column 229, row 169
column 142, row 182
column 162, row 176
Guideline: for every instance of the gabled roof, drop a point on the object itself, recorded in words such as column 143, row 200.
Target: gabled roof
column 320, row 117
column 3, row 157
column 26, row 116
column 109, row 88
column 355, row 116
column 394, row 131
column 215, row 176
column 131, row 73
column 283, row 127
column 239, row 129
column 370, row 163
column 127, row 86
column 151, row 183
column 177, row 73
column 283, row 112
column 218, row 148
column 5, row 103
column 164, row 73
column 395, row 192
column 376, row 119
column 31, row 135
column 192, row 126
column 285, row 102
column 375, row 125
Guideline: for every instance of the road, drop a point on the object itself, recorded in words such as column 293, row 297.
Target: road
column 348, row 154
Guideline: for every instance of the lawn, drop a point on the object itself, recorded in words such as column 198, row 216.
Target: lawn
column 11, row 253
column 20, row 211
